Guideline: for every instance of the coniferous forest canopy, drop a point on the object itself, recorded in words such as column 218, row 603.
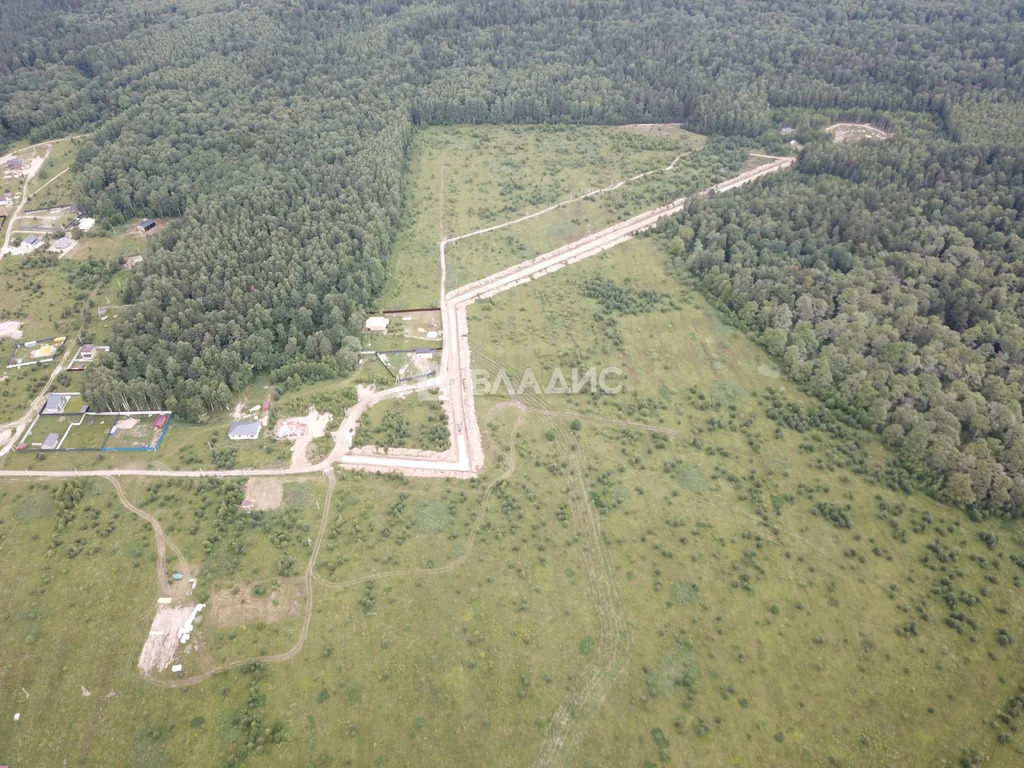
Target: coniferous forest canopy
column 886, row 279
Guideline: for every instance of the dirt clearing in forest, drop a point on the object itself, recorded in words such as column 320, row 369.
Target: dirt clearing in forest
column 856, row 131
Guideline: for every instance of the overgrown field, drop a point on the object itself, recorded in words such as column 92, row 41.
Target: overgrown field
column 493, row 174
column 410, row 422
column 785, row 603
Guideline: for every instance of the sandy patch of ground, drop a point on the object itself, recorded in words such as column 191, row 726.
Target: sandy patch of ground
column 238, row 605
column 10, row 329
column 129, row 423
column 316, row 426
column 843, row 132
column 162, row 643
column 265, row 492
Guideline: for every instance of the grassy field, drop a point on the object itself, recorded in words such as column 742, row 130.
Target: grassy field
column 482, row 255
column 697, row 568
column 784, row 604
column 55, row 184
column 408, row 422
column 496, row 173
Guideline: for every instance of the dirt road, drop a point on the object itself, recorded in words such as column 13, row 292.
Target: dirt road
column 454, row 377
column 162, row 542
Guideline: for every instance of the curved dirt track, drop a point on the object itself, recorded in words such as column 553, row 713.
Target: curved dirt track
column 300, row 642
column 162, row 542
column 310, row 574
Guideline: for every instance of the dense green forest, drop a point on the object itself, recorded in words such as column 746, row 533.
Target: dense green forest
column 887, row 278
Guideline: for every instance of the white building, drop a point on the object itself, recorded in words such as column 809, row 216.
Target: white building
column 376, row 325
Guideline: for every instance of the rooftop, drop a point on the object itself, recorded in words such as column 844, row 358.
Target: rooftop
column 244, row 429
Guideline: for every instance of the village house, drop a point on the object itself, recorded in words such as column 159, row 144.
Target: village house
column 146, row 225
column 244, row 430
column 56, row 402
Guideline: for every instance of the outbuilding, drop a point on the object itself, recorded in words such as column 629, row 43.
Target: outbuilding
column 376, row 325
column 146, row 225
column 159, row 421
column 62, row 244
column 51, row 442
column 244, row 430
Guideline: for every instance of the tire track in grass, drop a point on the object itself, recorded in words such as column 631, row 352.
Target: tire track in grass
column 470, row 540
column 300, row 642
column 572, row 717
column 162, row 542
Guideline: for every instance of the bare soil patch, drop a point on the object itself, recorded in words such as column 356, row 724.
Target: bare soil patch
column 843, row 132
column 265, row 492
column 162, row 642
column 10, row 329
column 240, row 605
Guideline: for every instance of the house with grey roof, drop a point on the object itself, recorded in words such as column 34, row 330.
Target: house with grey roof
column 51, row 442
column 244, row 430
column 56, row 402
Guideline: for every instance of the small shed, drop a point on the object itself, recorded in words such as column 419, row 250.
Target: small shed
column 376, row 325
column 146, row 225
column 51, row 442
column 244, row 430
column 159, row 421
